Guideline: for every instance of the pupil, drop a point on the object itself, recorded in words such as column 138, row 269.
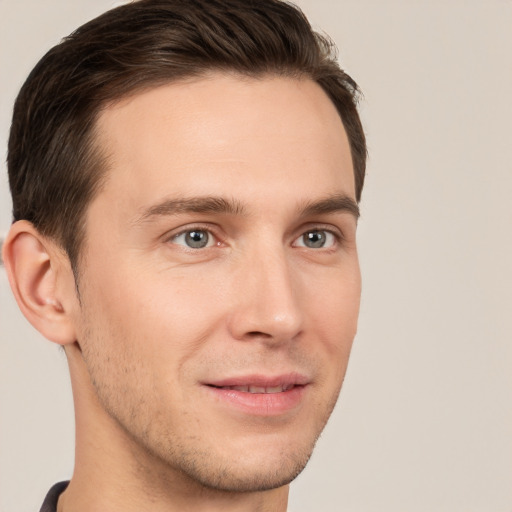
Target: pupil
column 197, row 239
column 314, row 239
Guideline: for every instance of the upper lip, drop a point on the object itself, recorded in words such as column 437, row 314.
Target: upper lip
column 264, row 381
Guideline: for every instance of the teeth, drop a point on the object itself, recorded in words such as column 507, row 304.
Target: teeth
column 239, row 388
column 259, row 389
column 256, row 389
column 276, row 389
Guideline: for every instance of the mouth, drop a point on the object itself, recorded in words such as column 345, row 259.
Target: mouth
column 259, row 395
column 257, row 389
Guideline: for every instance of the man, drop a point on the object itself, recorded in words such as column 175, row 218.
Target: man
column 185, row 181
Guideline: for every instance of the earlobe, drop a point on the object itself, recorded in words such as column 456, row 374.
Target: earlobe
column 34, row 268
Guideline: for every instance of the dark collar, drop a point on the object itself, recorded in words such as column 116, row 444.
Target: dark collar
column 50, row 502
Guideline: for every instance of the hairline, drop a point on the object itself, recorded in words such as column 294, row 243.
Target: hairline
column 100, row 156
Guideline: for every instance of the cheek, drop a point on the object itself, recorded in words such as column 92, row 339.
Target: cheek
column 159, row 318
column 336, row 304
column 334, row 318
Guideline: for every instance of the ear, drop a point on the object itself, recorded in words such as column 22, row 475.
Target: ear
column 42, row 282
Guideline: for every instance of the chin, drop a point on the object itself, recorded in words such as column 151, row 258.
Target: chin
column 240, row 477
column 252, row 464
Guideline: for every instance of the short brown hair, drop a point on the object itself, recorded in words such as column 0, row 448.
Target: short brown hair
column 54, row 166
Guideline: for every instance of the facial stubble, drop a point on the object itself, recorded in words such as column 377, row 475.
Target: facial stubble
column 163, row 452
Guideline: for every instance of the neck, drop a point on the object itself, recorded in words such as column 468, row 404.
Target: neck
column 113, row 472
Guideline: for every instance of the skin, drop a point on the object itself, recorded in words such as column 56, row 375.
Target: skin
column 156, row 320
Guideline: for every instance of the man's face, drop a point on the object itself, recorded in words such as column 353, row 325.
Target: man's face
column 220, row 282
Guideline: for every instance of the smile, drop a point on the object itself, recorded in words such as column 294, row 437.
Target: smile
column 258, row 389
column 259, row 395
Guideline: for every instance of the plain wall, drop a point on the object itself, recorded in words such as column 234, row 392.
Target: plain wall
column 424, row 422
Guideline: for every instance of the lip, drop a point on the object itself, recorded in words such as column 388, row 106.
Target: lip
column 264, row 381
column 273, row 403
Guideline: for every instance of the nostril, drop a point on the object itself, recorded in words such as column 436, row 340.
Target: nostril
column 259, row 334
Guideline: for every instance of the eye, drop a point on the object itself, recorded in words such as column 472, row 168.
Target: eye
column 316, row 239
column 194, row 239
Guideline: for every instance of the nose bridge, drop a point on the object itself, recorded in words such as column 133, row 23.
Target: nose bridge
column 267, row 303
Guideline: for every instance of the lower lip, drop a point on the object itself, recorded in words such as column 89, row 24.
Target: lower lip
column 260, row 404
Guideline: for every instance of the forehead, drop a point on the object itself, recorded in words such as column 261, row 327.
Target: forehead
column 224, row 135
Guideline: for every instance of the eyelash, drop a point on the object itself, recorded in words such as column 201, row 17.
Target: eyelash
column 337, row 235
column 190, row 229
column 337, row 239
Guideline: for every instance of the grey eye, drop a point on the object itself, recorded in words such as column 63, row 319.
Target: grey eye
column 314, row 239
column 194, row 239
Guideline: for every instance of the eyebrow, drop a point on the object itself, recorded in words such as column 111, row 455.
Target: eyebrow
column 220, row 205
column 206, row 204
column 332, row 204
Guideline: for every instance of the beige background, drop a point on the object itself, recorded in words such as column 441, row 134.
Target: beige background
column 424, row 423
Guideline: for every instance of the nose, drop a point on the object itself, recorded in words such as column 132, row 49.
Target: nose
column 266, row 299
